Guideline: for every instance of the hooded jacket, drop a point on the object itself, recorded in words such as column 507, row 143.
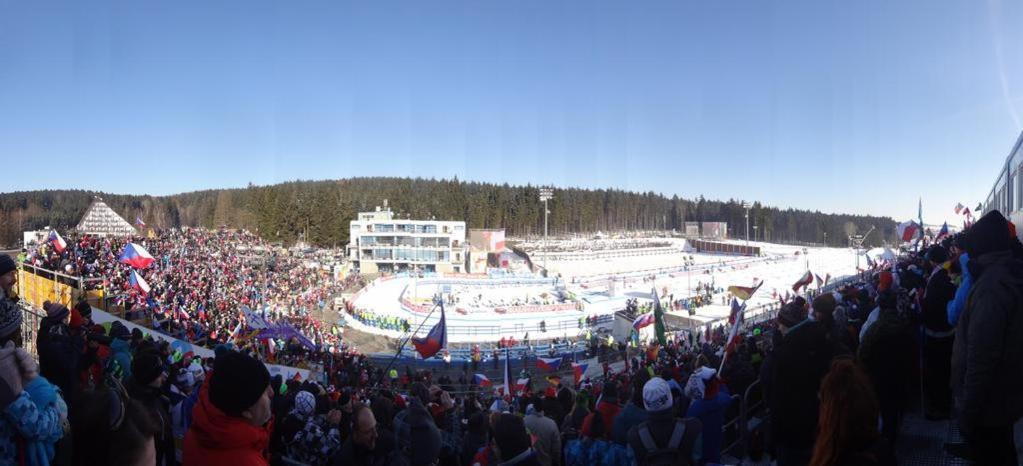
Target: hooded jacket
column 214, row 438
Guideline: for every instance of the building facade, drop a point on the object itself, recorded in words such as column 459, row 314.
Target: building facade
column 380, row 243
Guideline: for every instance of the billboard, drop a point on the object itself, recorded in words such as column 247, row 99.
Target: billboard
column 692, row 229
column 716, row 230
column 487, row 240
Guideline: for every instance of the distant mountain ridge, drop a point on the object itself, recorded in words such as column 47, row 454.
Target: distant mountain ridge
column 286, row 210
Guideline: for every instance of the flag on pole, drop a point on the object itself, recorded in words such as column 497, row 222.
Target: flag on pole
column 907, row 230
column 803, row 281
column 139, row 222
column 959, row 207
column 521, row 384
column 482, row 380
column 979, row 205
column 870, row 262
column 136, row 256
column 733, row 334
column 643, row 321
column 943, row 232
column 137, row 282
column 820, row 281
column 744, row 292
column 548, row 364
column 435, row 340
column 659, row 327
column 920, row 215
column 507, row 375
column 57, row 241
column 578, row 370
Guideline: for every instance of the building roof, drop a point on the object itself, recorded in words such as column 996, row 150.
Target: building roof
column 100, row 219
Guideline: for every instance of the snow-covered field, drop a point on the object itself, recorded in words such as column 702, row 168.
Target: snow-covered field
column 472, row 317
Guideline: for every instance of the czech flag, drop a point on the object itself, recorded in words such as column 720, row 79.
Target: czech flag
column 137, row 282
column 136, row 256
column 435, row 340
column 548, row 364
column 736, row 310
column 643, row 321
column 139, row 222
column 959, row 207
column 805, row 280
column 482, row 380
column 943, row 233
column 744, row 292
column 578, row 370
column 907, row 230
column 820, row 281
column 521, row 384
column 58, row 243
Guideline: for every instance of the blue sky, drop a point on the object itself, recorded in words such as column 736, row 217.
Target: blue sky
column 838, row 106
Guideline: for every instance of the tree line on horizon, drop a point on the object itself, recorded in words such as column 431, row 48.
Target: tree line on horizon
column 320, row 211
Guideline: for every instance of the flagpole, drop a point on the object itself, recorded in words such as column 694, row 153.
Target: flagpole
column 724, row 357
column 402, row 346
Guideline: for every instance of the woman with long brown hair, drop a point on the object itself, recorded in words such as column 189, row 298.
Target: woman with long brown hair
column 848, row 420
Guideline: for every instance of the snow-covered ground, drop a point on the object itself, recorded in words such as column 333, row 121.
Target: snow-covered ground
column 779, row 268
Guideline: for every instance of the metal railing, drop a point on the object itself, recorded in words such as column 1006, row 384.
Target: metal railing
column 30, row 319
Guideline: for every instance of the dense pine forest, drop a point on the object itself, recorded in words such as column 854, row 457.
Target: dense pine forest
column 286, row 211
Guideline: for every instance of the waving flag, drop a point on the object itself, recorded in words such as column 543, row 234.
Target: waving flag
column 870, row 262
column 943, row 233
column 578, row 370
column 733, row 334
column 435, row 340
column 744, row 292
column 827, row 278
column 521, row 384
column 643, row 321
column 548, row 364
column 820, row 281
column 659, row 327
column 733, row 314
column 136, row 256
column 139, row 222
column 137, row 282
column 959, row 207
column 907, row 230
column 482, row 380
column 804, row 281
column 57, row 241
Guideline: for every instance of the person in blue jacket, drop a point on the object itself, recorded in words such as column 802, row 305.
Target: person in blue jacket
column 710, row 401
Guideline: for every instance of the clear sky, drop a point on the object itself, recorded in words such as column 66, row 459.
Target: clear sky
column 834, row 105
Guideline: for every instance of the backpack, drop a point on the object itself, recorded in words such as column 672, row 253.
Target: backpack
column 670, row 454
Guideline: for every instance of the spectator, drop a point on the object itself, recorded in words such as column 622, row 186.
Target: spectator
column 365, row 447
column 548, row 439
column 119, row 362
column 633, row 414
column 111, row 428
column 231, row 423
column 848, row 421
column 418, row 440
column 938, row 337
column 475, row 438
column 801, row 360
column 988, row 356
column 886, row 354
column 33, row 413
column 591, row 449
column 318, row 437
column 146, row 386
column 664, row 438
column 710, row 400
column 58, row 352
column 608, row 406
column 512, row 442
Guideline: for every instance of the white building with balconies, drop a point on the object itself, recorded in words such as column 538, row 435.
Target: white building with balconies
column 380, row 243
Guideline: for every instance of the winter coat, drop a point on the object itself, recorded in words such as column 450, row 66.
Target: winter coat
column 120, row 358
column 662, row 425
column 800, row 362
column 958, row 303
column 609, row 410
column 548, row 439
column 587, row 452
column 34, row 422
column 59, row 353
column 886, row 353
column 631, row 416
column 159, row 408
column 214, row 438
column 711, row 414
column 935, row 303
column 987, row 356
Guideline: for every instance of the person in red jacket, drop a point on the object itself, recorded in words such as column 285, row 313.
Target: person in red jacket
column 608, row 406
column 231, row 423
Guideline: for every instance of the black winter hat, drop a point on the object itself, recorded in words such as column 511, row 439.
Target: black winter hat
column 6, row 264
column 146, row 367
column 418, row 437
column 938, row 255
column 511, row 436
column 237, row 383
column 990, row 234
column 118, row 330
column 792, row 314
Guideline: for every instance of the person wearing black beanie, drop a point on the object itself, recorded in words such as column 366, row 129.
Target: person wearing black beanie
column 145, row 385
column 238, row 383
column 987, row 357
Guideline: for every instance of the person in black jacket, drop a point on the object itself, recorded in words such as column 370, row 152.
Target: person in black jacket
column 938, row 337
column 145, row 385
column 886, row 354
column 661, row 428
column 59, row 351
column 800, row 362
column 987, row 363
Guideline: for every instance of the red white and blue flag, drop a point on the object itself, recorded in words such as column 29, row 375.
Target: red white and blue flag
column 804, row 281
column 521, row 384
column 139, row 222
column 57, row 241
column 578, row 370
column 137, row 282
column 959, row 207
column 482, row 380
column 643, row 321
column 943, row 233
column 907, row 230
column 136, row 256
column 733, row 334
column 435, row 340
column 548, row 364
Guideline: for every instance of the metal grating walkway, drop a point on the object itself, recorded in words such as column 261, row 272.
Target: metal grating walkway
column 921, row 442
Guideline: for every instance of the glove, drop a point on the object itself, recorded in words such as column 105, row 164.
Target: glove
column 10, row 377
column 29, row 367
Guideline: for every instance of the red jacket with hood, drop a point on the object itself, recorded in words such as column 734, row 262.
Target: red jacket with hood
column 215, row 439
